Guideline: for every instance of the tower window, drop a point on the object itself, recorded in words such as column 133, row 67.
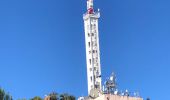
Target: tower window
column 90, row 69
column 94, row 25
column 97, row 64
column 91, row 78
column 90, row 61
column 92, row 34
column 89, row 44
column 88, row 34
column 95, row 44
column 96, row 60
column 94, row 68
column 91, row 86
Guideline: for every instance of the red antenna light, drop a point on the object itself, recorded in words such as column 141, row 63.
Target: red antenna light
column 90, row 7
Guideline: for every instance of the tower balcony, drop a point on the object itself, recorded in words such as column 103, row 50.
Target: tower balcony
column 93, row 15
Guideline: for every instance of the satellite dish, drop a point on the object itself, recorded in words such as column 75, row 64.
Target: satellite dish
column 98, row 9
column 116, row 92
column 111, row 78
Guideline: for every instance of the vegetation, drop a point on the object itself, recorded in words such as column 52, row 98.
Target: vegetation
column 4, row 96
column 37, row 98
column 148, row 99
column 65, row 96
column 51, row 96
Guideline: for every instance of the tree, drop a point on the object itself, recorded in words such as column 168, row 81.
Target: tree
column 53, row 96
column 37, row 98
column 63, row 96
column 67, row 97
column 72, row 97
column 148, row 99
column 2, row 94
column 7, row 97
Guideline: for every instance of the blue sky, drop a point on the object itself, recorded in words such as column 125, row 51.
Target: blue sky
column 42, row 46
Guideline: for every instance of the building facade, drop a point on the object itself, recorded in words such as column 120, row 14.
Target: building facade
column 116, row 97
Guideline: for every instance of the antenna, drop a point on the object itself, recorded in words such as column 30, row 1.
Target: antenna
column 110, row 84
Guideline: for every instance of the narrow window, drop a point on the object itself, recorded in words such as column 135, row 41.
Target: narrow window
column 91, row 86
column 90, row 69
column 88, row 34
column 94, row 25
column 96, row 61
column 91, row 78
column 92, row 34
column 97, row 64
column 93, row 59
column 90, row 61
column 95, row 44
column 92, row 43
column 94, row 68
column 89, row 44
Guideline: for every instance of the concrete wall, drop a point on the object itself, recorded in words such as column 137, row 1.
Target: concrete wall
column 116, row 97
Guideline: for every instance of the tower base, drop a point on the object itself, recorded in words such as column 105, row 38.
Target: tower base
column 111, row 97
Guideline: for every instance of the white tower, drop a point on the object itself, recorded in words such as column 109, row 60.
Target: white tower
column 92, row 48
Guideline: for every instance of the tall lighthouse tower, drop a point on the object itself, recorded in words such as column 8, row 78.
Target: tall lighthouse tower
column 92, row 49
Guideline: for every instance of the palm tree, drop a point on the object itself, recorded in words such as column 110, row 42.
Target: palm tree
column 2, row 94
column 72, row 97
column 63, row 96
column 7, row 97
column 53, row 96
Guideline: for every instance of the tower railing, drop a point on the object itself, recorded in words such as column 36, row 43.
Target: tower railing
column 96, row 13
